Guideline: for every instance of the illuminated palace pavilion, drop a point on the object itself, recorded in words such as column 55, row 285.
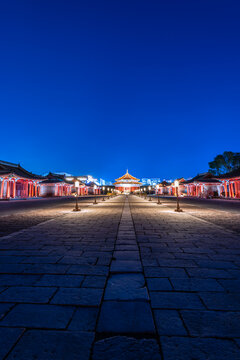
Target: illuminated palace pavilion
column 127, row 184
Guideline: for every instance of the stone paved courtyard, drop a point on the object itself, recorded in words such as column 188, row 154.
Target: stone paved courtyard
column 16, row 215
column 124, row 279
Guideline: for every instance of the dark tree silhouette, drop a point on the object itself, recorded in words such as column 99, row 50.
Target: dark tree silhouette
column 224, row 163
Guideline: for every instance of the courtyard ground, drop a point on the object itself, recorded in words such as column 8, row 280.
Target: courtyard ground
column 124, row 279
column 16, row 215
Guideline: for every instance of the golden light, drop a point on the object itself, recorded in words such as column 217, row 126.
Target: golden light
column 176, row 183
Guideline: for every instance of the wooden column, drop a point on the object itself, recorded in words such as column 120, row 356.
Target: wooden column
column 8, row 189
column 27, row 189
column 14, row 188
column 225, row 189
column 238, row 187
column 2, row 187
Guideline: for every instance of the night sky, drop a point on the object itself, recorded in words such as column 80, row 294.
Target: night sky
column 96, row 87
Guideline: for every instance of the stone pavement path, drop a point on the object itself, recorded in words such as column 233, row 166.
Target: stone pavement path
column 125, row 327
column 192, row 270
column 16, row 215
column 224, row 213
column 124, row 279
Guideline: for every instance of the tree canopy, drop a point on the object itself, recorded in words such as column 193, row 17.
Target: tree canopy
column 224, row 163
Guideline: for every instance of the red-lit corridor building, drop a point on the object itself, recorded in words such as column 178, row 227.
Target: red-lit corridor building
column 16, row 182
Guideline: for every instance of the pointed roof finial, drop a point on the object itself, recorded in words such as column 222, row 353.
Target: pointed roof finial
column 127, row 171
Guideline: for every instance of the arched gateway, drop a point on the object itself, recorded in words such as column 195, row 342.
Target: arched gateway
column 127, row 184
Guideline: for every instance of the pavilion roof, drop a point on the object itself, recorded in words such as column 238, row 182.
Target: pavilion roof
column 91, row 184
column 11, row 169
column 164, row 183
column 180, row 180
column 52, row 178
column 52, row 181
column 231, row 174
column 127, row 176
column 202, row 178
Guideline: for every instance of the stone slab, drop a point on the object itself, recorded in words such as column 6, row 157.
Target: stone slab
column 212, row 323
column 125, row 317
column 158, row 284
column 4, row 308
column 125, row 266
column 78, row 296
column 60, row 280
column 14, row 280
column 195, row 284
column 154, row 271
column 53, row 345
column 84, row 319
column 39, row 316
column 168, row 322
column 185, row 348
column 230, row 285
column 28, row 294
column 94, row 282
column 8, row 338
column 174, row 300
column 125, row 348
column 126, row 287
column 126, row 255
column 88, row 270
column 221, row 301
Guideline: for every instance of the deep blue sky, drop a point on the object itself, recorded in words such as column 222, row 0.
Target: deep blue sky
column 100, row 86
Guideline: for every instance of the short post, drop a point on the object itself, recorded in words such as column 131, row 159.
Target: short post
column 103, row 199
column 178, row 209
column 158, row 202
column 149, row 188
column 95, row 198
column 76, row 195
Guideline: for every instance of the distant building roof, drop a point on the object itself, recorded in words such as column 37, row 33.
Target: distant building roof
column 127, row 176
column 127, row 179
column 202, row 178
column 11, row 169
column 231, row 174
